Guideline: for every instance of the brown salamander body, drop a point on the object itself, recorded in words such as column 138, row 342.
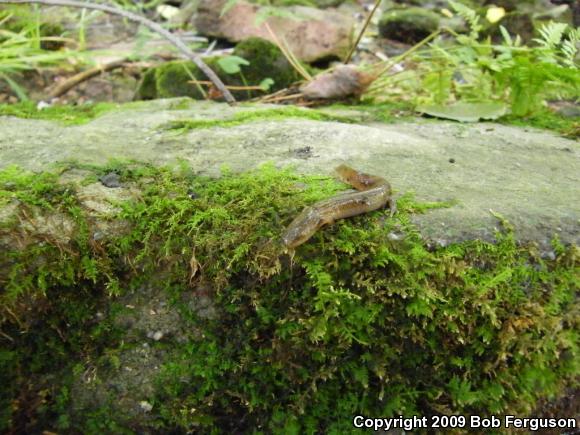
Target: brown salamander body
column 372, row 193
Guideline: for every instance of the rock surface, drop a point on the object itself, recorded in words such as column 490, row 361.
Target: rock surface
column 310, row 33
column 529, row 176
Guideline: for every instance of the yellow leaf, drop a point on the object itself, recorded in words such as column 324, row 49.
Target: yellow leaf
column 494, row 14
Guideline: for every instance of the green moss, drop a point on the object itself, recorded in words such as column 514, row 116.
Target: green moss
column 337, row 113
column 147, row 89
column 266, row 61
column 69, row 114
column 356, row 322
column 548, row 120
column 409, row 25
column 256, row 116
column 173, row 79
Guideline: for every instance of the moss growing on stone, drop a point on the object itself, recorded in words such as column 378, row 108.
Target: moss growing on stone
column 278, row 113
column 68, row 114
column 173, row 79
column 408, row 25
column 547, row 119
column 364, row 319
column 266, row 61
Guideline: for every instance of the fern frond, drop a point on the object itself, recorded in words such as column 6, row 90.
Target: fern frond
column 469, row 15
column 551, row 34
column 506, row 36
column 570, row 47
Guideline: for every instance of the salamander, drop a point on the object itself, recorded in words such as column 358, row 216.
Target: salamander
column 372, row 193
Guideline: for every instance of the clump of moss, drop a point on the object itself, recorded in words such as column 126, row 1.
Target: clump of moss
column 266, row 61
column 363, row 319
column 547, row 119
column 409, row 25
column 67, row 114
column 278, row 113
column 174, row 79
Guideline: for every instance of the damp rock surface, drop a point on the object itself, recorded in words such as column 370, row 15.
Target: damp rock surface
column 529, row 176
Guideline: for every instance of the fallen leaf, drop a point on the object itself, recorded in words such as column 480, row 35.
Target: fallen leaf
column 341, row 82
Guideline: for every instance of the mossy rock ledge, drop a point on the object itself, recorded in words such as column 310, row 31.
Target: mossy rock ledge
column 143, row 288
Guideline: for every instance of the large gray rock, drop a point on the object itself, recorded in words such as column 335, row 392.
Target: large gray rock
column 529, row 176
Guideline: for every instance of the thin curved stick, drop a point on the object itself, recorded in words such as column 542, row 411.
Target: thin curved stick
column 81, row 77
column 147, row 23
column 362, row 32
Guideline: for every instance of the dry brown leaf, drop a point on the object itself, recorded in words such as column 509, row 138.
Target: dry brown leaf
column 342, row 82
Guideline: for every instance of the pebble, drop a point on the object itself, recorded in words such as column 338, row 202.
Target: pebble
column 157, row 335
column 548, row 255
column 112, row 179
column 145, row 406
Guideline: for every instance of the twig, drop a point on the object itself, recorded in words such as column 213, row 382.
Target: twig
column 232, row 87
column 83, row 76
column 145, row 22
column 393, row 61
column 288, row 54
column 6, row 336
column 362, row 31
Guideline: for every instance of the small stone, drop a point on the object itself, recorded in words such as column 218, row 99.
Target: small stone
column 158, row 335
column 145, row 406
column 112, row 180
column 548, row 255
column 42, row 105
column 395, row 237
column 441, row 242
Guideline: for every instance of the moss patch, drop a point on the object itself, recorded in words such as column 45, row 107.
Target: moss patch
column 68, row 114
column 386, row 113
column 256, row 116
column 266, row 61
column 173, row 79
column 363, row 319
column 549, row 120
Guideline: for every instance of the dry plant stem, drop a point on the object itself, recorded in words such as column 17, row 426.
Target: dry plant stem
column 362, row 31
column 282, row 98
column 83, row 76
column 265, row 98
column 379, row 84
column 288, row 54
column 410, row 51
column 233, row 88
column 145, row 22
